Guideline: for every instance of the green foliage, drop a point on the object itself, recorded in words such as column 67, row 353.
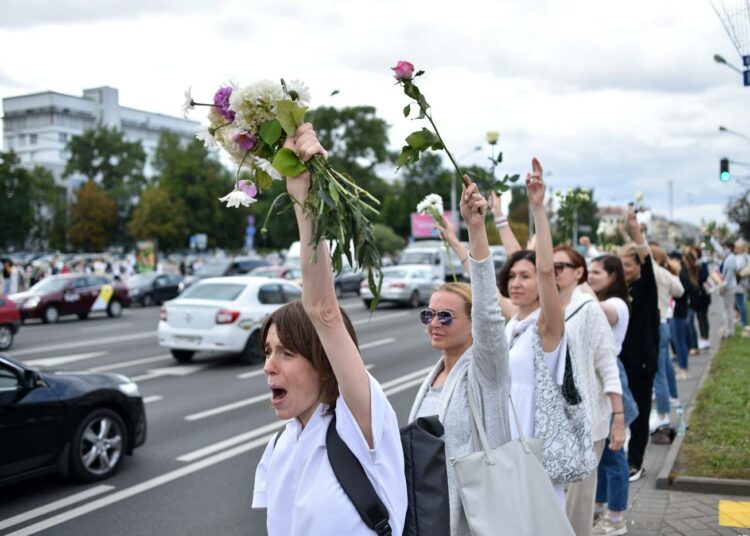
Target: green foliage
column 577, row 207
column 160, row 217
column 387, row 240
column 290, row 115
column 518, row 209
column 287, row 163
column 93, row 216
column 15, row 202
column 48, row 202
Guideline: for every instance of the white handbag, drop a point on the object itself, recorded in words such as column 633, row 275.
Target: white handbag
column 506, row 491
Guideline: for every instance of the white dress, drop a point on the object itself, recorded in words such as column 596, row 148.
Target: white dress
column 522, row 383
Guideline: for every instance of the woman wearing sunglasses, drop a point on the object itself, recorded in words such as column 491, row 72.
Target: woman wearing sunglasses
column 464, row 323
column 592, row 346
column 528, row 279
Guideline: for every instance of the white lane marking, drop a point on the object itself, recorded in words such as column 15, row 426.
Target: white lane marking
column 419, row 374
column 179, row 370
column 228, row 407
column 254, row 373
column 374, row 344
column 55, row 361
column 140, row 488
column 134, row 362
column 89, row 342
column 113, row 325
column 404, row 386
column 55, row 505
column 378, row 318
column 150, row 399
column 232, row 441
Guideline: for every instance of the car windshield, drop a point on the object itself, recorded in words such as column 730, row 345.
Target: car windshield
column 141, row 279
column 51, row 284
column 394, row 274
column 416, row 257
column 214, row 291
column 212, row 270
column 265, row 272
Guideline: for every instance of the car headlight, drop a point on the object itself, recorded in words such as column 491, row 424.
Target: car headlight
column 129, row 389
column 31, row 302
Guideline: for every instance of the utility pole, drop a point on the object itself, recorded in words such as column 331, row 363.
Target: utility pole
column 670, row 185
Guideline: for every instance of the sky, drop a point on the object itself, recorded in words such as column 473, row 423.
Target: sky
column 616, row 96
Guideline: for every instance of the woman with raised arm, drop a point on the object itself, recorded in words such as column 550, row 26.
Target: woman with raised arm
column 464, row 323
column 316, row 376
column 537, row 329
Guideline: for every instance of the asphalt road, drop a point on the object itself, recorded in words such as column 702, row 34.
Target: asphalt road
column 208, row 423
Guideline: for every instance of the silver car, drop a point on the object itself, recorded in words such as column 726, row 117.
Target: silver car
column 409, row 284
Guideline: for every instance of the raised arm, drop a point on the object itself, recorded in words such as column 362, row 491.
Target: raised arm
column 552, row 318
column 503, row 226
column 319, row 297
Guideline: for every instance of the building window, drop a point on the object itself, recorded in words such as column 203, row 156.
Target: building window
column 32, row 139
column 22, row 139
column 63, row 137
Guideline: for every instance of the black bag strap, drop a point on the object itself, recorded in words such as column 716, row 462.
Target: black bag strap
column 353, row 479
column 584, row 304
column 569, row 390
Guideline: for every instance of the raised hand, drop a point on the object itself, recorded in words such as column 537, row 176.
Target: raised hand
column 535, row 186
column 306, row 145
column 494, row 201
column 473, row 204
column 446, row 230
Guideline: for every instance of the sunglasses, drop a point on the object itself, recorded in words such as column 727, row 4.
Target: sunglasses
column 444, row 317
column 560, row 266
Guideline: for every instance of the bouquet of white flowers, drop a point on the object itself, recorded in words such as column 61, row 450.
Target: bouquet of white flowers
column 251, row 124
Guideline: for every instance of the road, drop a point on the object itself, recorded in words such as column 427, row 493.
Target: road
column 208, row 423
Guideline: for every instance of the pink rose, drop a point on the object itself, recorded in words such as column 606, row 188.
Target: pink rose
column 403, row 70
column 245, row 140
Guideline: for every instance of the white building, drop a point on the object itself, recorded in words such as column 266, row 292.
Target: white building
column 609, row 220
column 38, row 126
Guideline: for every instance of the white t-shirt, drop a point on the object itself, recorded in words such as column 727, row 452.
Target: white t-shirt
column 623, row 317
column 294, row 480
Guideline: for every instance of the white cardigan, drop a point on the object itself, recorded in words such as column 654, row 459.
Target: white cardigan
column 592, row 345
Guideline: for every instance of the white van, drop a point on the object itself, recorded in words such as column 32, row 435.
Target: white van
column 434, row 254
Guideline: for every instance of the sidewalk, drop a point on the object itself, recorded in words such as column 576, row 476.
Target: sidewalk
column 664, row 512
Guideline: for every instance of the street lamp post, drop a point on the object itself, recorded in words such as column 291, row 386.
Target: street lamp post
column 730, row 131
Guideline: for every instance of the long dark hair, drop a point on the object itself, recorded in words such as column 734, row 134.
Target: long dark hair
column 504, row 276
column 617, row 288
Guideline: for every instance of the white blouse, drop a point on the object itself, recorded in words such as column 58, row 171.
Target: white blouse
column 294, row 480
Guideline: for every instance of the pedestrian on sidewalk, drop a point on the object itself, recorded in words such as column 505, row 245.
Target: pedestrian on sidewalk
column 640, row 349
column 592, row 346
column 728, row 269
column 743, row 283
column 680, row 318
column 316, row 374
column 703, row 301
column 691, row 263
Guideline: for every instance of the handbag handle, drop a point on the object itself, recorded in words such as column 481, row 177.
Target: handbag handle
column 478, row 427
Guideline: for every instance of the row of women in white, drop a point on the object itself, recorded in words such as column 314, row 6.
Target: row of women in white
column 315, row 372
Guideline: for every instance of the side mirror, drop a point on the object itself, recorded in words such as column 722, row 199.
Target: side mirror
column 31, row 379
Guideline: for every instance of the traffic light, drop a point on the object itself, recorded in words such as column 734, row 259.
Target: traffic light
column 724, row 174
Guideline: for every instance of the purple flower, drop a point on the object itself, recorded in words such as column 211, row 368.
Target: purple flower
column 245, row 140
column 221, row 101
column 248, row 187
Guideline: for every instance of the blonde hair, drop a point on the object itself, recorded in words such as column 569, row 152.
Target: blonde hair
column 740, row 246
column 463, row 290
column 630, row 250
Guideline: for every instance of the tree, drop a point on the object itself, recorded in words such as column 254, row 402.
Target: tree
column 738, row 211
column 93, row 216
column 48, row 200
column 103, row 155
column 16, row 212
column 388, row 242
column 160, row 217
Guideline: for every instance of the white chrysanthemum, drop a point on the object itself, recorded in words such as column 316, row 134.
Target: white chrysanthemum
column 265, row 165
column 255, row 104
column 298, row 88
column 203, row 134
column 235, row 198
column 432, row 202
column 188, row 104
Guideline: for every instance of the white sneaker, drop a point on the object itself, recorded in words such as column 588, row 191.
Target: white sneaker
column 607, row 527
column 655, row 422
column 704, row 344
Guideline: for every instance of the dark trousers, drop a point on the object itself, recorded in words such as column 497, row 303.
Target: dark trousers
column 702, row 314
column 641, row 386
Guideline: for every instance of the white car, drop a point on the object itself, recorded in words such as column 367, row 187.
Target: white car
column 222, row 314
column 409, row 285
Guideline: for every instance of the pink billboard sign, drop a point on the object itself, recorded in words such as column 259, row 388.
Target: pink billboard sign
column 422, row 225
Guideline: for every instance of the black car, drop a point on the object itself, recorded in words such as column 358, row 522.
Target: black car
column 150, row 288
column 222, row 268
column 348, row 281
column 79, row 424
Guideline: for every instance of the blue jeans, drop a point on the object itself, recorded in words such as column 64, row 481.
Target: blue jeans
column 613, row 479
column 679, row 339
column 665, row 384
column 741, row 301
column 692, row 334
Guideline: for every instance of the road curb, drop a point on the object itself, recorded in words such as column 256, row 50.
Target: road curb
column 668, row 478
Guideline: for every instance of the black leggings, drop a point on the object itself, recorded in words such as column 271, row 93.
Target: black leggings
column 702, row 314
column 641, row 386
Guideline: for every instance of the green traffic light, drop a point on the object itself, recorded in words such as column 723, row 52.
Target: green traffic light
column 724, row 177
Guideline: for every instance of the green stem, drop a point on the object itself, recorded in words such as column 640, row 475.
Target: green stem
column 264, row 230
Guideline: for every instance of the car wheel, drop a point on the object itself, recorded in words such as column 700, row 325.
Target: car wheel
column 252, row 355
column 114, row 309
column 147, row 300
column 83, row 316
column 339, row 291
column 367, row 303
column 98, row 446
column 6, row 337
column 183, row 356
column 414, row 300
column 51, row 315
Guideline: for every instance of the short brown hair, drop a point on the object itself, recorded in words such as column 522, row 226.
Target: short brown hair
column 576, row 259
column 463, row 290
column 504, row 276
column 297, row 333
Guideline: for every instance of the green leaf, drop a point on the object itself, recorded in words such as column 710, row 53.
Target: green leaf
column 418, row 73
column 262, row 180
column 407, row 110
column 499, row 158
column 406, row 156
column 287, row 163
column 422, row 139
column 334, row 93
column 290, row 116
column 270, row 132
column 333, row 192
column 514, row 178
